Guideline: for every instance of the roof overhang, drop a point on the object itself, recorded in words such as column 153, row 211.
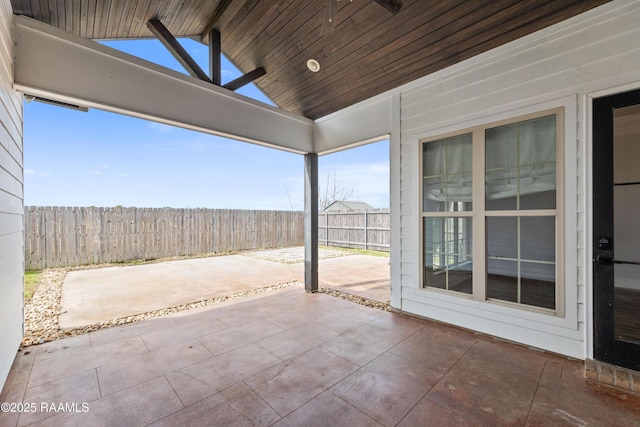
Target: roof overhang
column 363, row 50
column 57, row 65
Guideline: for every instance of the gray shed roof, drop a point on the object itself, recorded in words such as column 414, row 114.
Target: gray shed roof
column 344, row 205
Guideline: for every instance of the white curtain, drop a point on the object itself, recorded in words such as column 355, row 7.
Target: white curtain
column 447, row 169
column 520, row 159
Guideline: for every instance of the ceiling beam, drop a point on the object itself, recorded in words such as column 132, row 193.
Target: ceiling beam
column 246, row 79
column 54, row 64
column 222, row 8
column 215, row 57
column 176, row 49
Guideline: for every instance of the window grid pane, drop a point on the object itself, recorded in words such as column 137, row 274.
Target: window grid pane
column 447, row 174
column 520, row 160
column 521, row 260
column 447, row 254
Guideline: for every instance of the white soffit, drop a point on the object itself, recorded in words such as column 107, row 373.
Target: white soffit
column 362, row 123
column 54, row 64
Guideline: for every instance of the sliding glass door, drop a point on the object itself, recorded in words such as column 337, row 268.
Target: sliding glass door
column 616, row 228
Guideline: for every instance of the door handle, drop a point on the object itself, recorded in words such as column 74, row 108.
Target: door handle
column 604, row 260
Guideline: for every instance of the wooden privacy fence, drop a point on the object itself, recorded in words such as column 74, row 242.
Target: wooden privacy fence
column 355, row 229
column 66, row 236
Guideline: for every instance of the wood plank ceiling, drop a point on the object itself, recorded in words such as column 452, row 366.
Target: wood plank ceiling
column 369, row 51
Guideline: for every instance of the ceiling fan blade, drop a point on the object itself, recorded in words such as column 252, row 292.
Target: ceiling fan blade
column 392, row 6
column 330, row 12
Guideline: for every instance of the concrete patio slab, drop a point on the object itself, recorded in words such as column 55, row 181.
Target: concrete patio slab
column 92, row 296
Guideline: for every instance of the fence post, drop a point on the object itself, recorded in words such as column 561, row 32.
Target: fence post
column 326, row 228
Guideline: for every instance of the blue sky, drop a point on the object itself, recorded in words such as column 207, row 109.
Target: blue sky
column 98, row 158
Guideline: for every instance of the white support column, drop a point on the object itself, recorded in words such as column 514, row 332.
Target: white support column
column 311, row 222
column 395, row 248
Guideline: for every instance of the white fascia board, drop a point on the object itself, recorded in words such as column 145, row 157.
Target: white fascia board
column 54, row 64
column 362, row 123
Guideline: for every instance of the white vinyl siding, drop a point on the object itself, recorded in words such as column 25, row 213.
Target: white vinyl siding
column 558, row 67
column 11, row 201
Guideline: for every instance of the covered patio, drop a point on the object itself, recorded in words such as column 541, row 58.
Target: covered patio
column 299, row 359
column 344, row 74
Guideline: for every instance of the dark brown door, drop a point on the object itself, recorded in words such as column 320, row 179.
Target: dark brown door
column 616, row 229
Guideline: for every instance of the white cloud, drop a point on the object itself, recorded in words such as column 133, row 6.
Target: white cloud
column 198, row 50
column 229, row 73
column 161, row 127
column 37, row 173
column 100, row 171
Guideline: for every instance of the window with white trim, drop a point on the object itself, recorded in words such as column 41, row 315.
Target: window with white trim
column 490, row 209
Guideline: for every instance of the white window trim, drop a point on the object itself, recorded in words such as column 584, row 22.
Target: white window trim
column 562, row 313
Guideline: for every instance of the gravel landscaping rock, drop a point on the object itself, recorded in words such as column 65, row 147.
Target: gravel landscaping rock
column 357, row 299
column 41, row 312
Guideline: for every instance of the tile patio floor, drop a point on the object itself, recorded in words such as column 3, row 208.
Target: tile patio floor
column 288, row 358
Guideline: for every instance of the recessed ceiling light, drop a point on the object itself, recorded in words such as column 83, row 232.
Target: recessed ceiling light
column 313, row 65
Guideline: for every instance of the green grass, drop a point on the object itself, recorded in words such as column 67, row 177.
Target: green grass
column 31, row 282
